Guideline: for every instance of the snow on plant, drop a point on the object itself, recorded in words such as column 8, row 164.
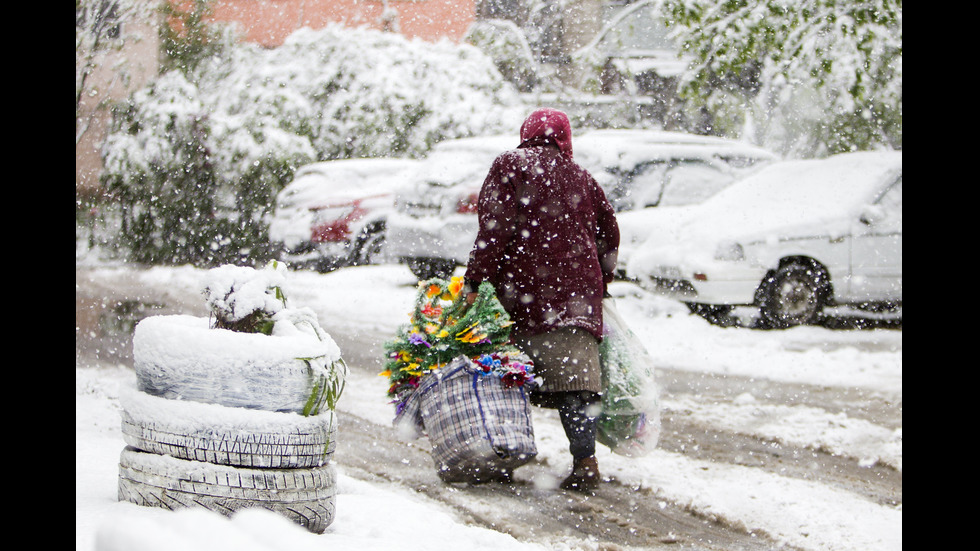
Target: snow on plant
column 244, row 299
column 247, row 300
column 354, row 92
column 816, row 76
column 504, row 41
column 166, row 108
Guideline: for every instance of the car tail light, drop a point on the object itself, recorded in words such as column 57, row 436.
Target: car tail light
column 330, row 232
column 332, row 224
column 467, row 205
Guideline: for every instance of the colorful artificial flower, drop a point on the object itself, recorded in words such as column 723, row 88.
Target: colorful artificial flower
column 443, row 326
column 489, row 361
column 432, row 312
column 471, row 334
column 455, row 286
column 417, row 339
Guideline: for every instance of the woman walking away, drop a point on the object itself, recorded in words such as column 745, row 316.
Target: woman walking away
column 548, row 241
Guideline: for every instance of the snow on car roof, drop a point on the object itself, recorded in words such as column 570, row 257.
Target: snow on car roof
column 479, row 144
column 359, row 168
column 343, row 180
column 463, row 160
column 848, row 179
column 797, row 193
column 785, row 199
column 625, row 149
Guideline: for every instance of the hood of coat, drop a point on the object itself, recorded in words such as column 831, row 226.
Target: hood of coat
column 548, row 126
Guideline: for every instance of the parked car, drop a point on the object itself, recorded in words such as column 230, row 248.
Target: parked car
column 334, row 213
column 435, row 223
column 791, row 239
column 640, row 170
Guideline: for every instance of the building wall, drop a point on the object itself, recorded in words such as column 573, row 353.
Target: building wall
column 118, row 73
column 269, row 22
column 266, row 22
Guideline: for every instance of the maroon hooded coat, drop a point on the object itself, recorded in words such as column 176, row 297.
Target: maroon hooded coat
column 548, row 238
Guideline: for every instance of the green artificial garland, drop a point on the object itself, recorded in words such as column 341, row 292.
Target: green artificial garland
column 444, row 327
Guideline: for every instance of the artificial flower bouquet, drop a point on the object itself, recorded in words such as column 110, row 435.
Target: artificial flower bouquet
column 456, row 378
column 444, row 327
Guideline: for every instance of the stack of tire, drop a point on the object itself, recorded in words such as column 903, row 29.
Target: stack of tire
column 221, row 420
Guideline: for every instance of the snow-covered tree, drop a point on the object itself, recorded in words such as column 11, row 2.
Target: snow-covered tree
column 506, row 44
column 158, row 168
column 807, row 78
column 232, row 130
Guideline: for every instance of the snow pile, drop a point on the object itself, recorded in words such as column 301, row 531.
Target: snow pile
column 188, row 358
column 801, row 426
column 234, row 293
column 186, row 417
column 187, row 340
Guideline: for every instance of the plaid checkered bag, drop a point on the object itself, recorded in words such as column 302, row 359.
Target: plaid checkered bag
column 479, row 429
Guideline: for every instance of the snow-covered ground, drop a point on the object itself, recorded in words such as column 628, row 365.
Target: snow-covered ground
column 376, row 299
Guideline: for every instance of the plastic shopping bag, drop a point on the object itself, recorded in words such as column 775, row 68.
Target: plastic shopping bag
column 630, row 420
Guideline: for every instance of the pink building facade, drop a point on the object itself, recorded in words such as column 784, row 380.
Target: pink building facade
column 269, row 22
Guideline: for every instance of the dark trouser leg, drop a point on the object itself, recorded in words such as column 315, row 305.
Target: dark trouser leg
column 579, row 422
column 578, row 419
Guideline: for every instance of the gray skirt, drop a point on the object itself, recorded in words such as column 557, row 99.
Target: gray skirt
column 565, row 359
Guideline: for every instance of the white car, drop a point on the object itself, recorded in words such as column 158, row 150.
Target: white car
column 435, row 223
column 791, row 239
column 334, row 213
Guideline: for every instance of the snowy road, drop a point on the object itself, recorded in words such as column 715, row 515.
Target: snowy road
column 771, row 439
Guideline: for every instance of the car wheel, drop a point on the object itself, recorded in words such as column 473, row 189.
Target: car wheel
column 369, row 248
column 428, row 268
column 794, row 295
column 717, row 314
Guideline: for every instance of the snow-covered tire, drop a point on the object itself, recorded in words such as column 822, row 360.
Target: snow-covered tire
column 226, row 436
column 181, row 357
column 306, row 496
